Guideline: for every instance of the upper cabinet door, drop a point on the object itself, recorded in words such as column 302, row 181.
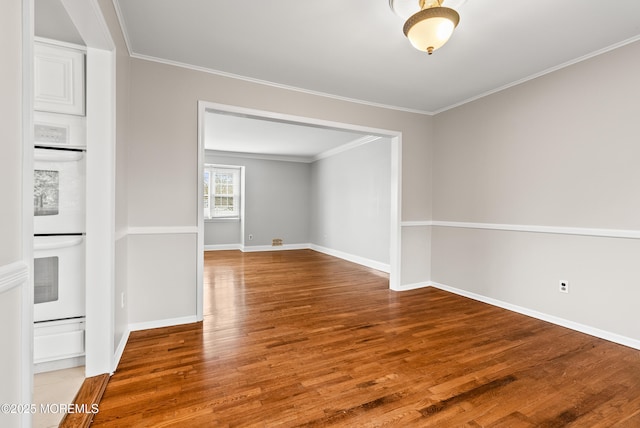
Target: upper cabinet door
column 59, row 80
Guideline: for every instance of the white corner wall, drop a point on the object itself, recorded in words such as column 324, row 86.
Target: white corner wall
column 537, row 184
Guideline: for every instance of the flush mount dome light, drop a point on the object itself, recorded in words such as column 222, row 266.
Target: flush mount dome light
column 429, row 28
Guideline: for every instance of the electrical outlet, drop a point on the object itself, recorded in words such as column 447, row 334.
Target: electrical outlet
column 563, row 286
column 122, row 300
column 250, row 237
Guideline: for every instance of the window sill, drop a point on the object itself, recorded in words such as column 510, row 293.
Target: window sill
column 222, row 220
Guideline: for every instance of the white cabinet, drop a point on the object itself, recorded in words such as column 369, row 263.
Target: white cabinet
column 59, row 79
column 58, row 340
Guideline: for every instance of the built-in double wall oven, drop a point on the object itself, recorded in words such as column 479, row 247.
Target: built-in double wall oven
column 59, row 253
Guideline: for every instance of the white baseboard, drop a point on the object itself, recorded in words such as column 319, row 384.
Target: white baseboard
column 373, row 264
column 414, row 286
column 147, row 325
column 222, row 247
column 592, row 331
column 120, row 350
column 286, row 247
column 67, row 363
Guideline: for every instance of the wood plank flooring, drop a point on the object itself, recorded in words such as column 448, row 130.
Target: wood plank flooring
column 87, row 397
column 298, row 338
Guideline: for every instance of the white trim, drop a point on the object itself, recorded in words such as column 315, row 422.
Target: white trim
column 13, row 275
column 592, row 331
column 416, row 223
column 605, row 233
column 286, row 247
column 263, row 156
column 301, row 159
column 540, row 74
column 162, row 230
column 275, row 85
column 222, row 219
column 373, row 264
column 100, row 199
column 296, row 120
column 414, row 286
column 395, row 237
column 123, row 28
column 223, row 247
column 345, row 147
column 558, row 230
column 60, row 44
column 66, row 363
column 88, row 20
column 120, row 350
column 199, row 187
column 120, row 234
column 147, row 325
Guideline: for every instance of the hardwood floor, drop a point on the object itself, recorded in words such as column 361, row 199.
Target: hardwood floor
column 298, row 338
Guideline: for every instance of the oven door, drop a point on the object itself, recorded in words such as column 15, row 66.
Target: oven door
column 59, row 191
column 59, row 277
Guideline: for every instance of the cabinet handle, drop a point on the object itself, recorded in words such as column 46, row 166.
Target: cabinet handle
column 57, row 156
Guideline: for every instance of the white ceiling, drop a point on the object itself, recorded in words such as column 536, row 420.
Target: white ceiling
column 276, row 139
column 355, row 50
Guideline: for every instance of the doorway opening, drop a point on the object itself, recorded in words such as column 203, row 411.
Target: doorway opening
column 266, row 118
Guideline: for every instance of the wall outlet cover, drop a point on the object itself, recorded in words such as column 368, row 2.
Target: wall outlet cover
column 563, row 286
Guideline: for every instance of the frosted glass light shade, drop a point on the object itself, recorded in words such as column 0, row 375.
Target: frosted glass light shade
column 430, row 28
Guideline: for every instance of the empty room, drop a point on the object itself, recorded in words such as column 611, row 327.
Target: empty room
column 362, row 213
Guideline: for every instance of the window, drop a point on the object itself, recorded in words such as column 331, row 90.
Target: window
column 221, row 192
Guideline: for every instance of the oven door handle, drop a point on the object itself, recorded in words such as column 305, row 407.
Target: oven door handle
column 71, row 242
column 57, row 156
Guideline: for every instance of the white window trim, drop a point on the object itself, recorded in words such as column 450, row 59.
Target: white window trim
column 238, row 190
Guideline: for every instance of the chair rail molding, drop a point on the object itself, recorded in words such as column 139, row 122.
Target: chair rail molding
column 13, row 275
column 558, row 230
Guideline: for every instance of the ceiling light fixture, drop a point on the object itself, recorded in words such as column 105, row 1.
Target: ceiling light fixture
column 431, row 27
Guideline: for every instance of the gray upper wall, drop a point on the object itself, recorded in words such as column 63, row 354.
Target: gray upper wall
column 163, row 137
column 560, row 150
